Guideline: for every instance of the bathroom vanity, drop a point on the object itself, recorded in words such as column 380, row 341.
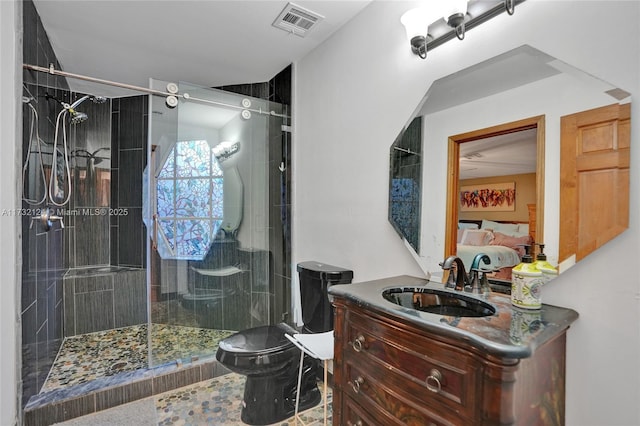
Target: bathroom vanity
column 414, row 365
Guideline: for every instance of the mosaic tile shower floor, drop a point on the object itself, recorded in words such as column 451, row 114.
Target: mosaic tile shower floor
column 212, row 402
column 90, row 356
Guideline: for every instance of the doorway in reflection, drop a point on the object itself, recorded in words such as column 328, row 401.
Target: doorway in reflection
column 494, row 175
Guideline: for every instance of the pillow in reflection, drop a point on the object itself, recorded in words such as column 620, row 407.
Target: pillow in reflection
column 516, row 243
column 476, row 237
column 512, row 229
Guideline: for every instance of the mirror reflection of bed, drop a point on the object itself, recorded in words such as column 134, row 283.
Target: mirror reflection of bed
column 504, row 242
column 497, row 197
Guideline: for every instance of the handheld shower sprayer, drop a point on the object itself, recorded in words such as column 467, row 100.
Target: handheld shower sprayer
column 55, row 191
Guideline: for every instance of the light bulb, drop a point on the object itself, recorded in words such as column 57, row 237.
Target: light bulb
column 415, row 22
column 456, row 9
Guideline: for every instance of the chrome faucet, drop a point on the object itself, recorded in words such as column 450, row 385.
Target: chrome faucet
column 478, row 284
column 461, row 279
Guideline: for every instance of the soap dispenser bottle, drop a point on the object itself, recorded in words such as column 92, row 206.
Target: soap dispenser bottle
column 548, row 270
column 526, row 285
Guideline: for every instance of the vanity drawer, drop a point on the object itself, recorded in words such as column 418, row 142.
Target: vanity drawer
column 434, row 372
column 375, row 391
column 354, row 415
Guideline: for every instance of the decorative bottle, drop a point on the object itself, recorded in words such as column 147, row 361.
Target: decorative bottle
column 526, row 285
column 549, row 271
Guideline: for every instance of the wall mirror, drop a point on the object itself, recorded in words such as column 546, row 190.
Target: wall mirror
column 506, row 111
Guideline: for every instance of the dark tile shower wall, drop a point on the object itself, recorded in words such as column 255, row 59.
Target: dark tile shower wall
column 405, row 181
column 42, row 252
column 88, row 225
column 280, row 200
column 129, row 158
column 120, row 131
column 103, row 300
column 278, row 89
column 107, row 159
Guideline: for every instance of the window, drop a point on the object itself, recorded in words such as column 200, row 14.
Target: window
column 189, row 201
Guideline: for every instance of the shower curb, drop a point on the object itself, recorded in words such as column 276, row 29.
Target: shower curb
column 87, row 398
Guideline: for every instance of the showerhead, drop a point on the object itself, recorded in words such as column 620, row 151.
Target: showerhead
column 99, row 99
column 77, row 116
column 95, row 99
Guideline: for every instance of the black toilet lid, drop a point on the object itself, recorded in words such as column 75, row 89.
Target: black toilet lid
column 264, row 339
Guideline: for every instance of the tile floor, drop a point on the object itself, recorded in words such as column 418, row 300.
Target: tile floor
column 86, row 357
column 213, row 402
column 100, row 355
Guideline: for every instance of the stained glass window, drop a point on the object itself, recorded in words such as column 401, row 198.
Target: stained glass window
column 189, row 200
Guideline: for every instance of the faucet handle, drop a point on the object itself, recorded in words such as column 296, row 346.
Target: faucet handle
column 473, row 285
column 478, row 282
column 484, row 282
column 451, row 280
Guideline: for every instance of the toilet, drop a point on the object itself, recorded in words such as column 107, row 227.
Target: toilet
column 271, row 362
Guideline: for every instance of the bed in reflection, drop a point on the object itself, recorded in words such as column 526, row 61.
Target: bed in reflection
column 503, row 242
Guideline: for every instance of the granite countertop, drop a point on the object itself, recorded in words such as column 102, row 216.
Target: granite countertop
column 511, row 332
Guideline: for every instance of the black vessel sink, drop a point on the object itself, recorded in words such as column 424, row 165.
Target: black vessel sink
column 438, row 302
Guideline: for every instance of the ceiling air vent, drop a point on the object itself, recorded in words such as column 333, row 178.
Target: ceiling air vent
column 297, row 20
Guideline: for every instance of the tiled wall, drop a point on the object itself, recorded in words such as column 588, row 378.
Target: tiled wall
column 96, row 300
column 42, row 252
column 87, row 229
column 405, row 180
column 280, row 201
column 129, row 158
column 278, row 89
column 118, row 131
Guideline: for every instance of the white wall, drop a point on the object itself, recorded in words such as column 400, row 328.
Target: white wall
column 356, row 91
column 10, row 77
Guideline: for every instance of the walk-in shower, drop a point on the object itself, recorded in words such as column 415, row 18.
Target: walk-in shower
column 159, row 239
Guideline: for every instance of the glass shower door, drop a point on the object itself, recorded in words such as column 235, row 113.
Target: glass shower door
column 207, row 216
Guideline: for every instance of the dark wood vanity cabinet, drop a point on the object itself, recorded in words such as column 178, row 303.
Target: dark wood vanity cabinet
column 388, row 371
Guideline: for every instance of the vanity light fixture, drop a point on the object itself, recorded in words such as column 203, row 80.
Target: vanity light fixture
column 225, row 149
column 435, row 23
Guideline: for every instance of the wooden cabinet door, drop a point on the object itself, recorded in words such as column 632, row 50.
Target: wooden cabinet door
column 594, row 178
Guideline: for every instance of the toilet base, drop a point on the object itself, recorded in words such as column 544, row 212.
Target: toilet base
column 272, row 398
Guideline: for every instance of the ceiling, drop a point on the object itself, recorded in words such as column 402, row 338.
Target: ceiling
column 513, row 153
column 510, row 154
column 208, row 42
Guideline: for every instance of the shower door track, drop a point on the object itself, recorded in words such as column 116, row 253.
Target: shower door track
column 185, row 96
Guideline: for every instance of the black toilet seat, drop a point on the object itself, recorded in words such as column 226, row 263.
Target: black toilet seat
column 257, row 347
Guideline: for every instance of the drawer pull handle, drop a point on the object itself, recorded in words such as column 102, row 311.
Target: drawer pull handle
column 434, row 381
column 358, row 423
column 355, row 385
column 358, row 344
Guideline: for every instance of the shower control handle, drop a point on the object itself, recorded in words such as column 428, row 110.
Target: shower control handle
column 46, row 218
